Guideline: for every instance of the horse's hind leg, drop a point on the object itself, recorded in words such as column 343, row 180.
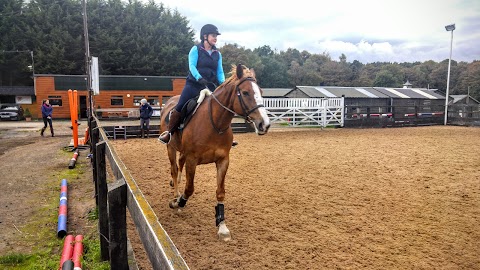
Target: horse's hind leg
column 223, row 232
column 172, row 156
column 181, row 163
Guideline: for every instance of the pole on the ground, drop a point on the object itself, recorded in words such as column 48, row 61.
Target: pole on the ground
column 78, row 252
column 67, row 250
column 62, row 210
column 73, row 161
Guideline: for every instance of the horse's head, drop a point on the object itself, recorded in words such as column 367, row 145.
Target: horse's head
column 249, row 103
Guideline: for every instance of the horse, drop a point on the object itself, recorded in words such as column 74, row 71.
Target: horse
column 208, row 136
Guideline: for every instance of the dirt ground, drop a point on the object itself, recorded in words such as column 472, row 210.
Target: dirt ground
column 396, row 198
column 30, row 168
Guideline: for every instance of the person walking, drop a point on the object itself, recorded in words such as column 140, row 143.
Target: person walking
column 146, row 112
column 47, row 111
column 205, row 71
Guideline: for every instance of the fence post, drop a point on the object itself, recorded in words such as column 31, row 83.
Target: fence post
column 102, row 200
column 117, row 216
column 94, row 140
column 392, row 110
column 416, row 115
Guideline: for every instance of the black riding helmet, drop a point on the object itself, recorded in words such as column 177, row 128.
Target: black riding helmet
column 208, row 29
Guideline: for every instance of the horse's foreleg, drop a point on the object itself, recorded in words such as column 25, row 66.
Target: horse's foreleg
column 191, row 166
column 223, row 232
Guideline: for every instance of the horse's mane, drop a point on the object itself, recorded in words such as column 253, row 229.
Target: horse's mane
column 233, row 78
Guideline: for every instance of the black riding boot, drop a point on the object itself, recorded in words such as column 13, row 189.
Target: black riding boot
column 142, row 133
column 172, row 126
column 148, row 133
column 43, row 130
column 51, row 131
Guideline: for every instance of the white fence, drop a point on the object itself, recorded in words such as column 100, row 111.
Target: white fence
column 306, row 111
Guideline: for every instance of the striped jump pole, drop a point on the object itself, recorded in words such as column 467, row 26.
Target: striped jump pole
column 72, row 162
column 62, row 210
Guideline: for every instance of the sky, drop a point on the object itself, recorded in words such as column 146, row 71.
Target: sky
column 366, row 30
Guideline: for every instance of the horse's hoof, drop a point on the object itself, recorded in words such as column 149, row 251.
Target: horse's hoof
column 224, row 237
column 173, row 204
column 223, row 232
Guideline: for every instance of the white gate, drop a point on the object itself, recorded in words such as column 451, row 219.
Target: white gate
column 306, row 111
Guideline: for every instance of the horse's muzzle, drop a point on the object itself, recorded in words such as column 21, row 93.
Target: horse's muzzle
column 262, row 128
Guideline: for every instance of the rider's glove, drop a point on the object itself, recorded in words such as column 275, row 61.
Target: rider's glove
column 203, row 82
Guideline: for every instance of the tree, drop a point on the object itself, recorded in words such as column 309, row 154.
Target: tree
column 470, row 81
column 232, row 54
column 390, row 75
column 13, row 64
column 274, row 73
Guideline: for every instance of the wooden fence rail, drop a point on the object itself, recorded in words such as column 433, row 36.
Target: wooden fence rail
column 114, row 199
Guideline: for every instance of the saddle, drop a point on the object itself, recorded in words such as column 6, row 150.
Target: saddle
column 189, row 108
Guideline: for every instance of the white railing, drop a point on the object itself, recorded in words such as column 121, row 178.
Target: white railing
column 306, row 111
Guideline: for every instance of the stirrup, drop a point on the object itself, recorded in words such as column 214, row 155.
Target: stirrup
column 164, row 134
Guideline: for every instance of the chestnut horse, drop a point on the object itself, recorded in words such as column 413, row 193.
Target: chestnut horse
column 207, row 138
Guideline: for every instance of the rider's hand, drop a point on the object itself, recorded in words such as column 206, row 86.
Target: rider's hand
column 203, row 82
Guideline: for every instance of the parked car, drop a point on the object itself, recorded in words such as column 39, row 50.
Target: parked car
column 11, row 112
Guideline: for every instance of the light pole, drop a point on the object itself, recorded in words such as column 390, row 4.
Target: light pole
column 449, row 27
column 33, row 73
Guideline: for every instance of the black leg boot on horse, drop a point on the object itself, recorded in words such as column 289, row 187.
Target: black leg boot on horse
column 166, row 136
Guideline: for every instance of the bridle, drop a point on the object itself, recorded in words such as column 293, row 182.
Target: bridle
column 246, row 111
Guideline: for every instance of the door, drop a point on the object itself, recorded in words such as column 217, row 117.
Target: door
column 83, row 107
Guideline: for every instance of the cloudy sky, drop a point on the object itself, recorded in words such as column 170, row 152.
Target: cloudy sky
column 367, row 30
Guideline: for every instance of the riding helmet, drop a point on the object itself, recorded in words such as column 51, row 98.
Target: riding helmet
column 208, row 29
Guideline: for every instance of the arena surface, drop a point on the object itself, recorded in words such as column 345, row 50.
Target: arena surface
column 396, row 198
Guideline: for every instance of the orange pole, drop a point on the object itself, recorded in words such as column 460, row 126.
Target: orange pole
column 75, row 118
column 70, row 102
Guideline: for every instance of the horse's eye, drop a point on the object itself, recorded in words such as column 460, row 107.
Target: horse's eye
column 245, row 93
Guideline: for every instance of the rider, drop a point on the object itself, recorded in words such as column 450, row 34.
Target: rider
column 205, row 71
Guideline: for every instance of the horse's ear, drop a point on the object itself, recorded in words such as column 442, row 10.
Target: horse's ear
column 239, row 71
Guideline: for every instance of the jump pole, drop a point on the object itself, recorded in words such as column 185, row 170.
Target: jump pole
column 72, row 162
column 77, row 252
column 67, row 253
column 62, row 210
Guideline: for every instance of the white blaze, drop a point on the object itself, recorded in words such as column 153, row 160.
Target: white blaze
column 259, row 101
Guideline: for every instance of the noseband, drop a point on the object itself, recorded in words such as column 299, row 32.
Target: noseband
column 246, row 111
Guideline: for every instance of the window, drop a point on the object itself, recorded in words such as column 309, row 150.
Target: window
column 153, row 100
column 116, row 101
column 136, row 100
column 55, row 100
column 165, row 99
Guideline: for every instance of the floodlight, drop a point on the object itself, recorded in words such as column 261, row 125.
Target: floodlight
column 450, row 27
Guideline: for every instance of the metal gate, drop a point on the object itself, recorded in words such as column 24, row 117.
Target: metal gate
column 306, row 111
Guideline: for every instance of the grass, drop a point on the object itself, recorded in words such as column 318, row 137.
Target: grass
column 46, row 247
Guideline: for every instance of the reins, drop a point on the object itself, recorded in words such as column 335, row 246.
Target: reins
column 246, row 111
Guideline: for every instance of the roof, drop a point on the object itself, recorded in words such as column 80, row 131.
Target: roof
column 458, row 98
column 275, row 92
column 368, row 92
column 17, row 91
